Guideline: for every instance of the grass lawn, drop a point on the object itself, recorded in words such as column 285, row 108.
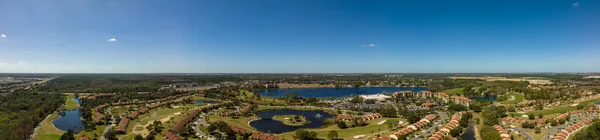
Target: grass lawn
column 560, row 109
column 537, row 136
column 454, row 91
column 99, row 131
column 519, row 97
column 70, row 104
column 47, row 131
column 348, row 133
column 241, row 122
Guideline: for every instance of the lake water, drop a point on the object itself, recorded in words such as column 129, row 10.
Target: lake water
column 469, row 133
column 69, row 119
column 203, row 102
column 268, row 125
column 335, row 92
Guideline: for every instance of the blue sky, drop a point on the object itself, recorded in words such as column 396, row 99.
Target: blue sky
column 299, row 36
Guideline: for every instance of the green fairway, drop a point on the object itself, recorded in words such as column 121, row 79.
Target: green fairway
column 454, row 91
column 519, row 97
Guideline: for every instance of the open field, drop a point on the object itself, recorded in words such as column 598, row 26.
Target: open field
column 47, row 131
column 532, row 80
column 241, row 122
column 561, row 108
column 454, row 91
column 537, row 136
column 194, row 88
column 519, row 97
column 349, row 133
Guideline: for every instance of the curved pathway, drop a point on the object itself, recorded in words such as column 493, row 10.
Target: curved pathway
column 529, row 137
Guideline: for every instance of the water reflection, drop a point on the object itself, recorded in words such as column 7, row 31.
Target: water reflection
column 268, row 125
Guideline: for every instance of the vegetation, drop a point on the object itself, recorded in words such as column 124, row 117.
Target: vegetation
column 592, row 132
column 22, row 111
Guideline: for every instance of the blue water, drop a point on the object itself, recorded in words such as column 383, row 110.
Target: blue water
column 76, row 100
column 268, row 125
column 598, row 103
column 203, row 102
column 69, row 119
column 335, row 92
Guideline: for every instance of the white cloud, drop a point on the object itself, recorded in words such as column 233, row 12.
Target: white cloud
column 576, row 4
column 3, row 35
column 22, row 63
column 369, row 45
column 112, row 40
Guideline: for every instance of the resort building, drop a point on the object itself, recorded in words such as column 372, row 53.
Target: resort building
column 461, row 100
column 122, row 126
column 564, row 134
column 415, row 126
column 449, row 126
column 171, row 136
column 258, row 136
column 503, row 134
column 378, row 97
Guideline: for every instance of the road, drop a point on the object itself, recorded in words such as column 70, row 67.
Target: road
column 522, row 131
column 554, row 130
column 108, row 127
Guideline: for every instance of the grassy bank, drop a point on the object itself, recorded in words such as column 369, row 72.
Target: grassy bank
column 47, row 131
column 70, row 104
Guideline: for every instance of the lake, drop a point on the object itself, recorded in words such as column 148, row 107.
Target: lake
column 203, row 102
column 69, row 119
column 336, row 92
column 485, row 98
column 268, row 125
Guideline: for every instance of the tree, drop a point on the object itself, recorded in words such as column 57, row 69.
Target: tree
column 538, row 130
column 111, row 135
column 302, row 134
column 391, row 123
column 489, row 133
column 531, row 116
column 540, row 116
column 150, row 137
column 138, row 137
column 553, row 123
column 68, row 135
column 332, row 134
column 455, row 131
column 341, row 125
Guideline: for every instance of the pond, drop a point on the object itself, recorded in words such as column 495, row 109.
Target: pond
column 268, row 125
column 469, row 134
column 69, row 119
column 336, row 92
column 203, row 102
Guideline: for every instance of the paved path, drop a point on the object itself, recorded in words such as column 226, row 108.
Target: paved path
column 108, row 127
